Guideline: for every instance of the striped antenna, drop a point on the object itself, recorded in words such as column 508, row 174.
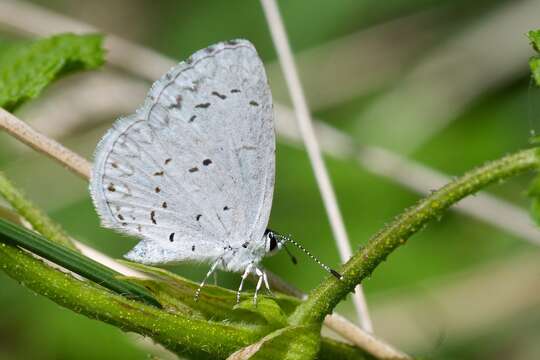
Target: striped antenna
column 287, row 239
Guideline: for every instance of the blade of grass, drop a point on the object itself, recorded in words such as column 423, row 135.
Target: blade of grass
column 73, row 261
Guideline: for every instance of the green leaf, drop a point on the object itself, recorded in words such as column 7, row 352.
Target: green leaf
column 25, row 69
column 534, row 38
column 73, row 261
column 534, row 61
column 290, row 343
column 214, row 303
column 268, row 309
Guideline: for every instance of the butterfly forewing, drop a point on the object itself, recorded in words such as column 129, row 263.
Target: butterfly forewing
column 192, row 172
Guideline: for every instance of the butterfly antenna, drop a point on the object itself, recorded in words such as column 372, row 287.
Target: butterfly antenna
column 293, row 258
column 288, row 239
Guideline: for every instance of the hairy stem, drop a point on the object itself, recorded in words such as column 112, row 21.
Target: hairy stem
column 198, row 338
column 195, row 338
column 326, row 296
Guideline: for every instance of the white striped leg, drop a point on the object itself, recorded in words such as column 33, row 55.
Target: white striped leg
column 244, row 276
column 265, row 278
column 260, row 274
column 212, row 269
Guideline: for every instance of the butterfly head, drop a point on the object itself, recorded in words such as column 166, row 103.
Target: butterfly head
column 273, row 242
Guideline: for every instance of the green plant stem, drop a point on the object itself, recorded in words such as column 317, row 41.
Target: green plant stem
column 39, row 221
column 198, row 339
column 326, row 296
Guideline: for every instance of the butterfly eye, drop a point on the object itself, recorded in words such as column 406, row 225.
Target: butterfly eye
column 273, row 242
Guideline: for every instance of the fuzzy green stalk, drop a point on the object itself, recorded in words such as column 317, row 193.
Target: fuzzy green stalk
column 325, row 297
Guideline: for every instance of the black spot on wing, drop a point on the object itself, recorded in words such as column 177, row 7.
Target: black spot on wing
column 171, row 237
column 202, row 106
column 168, row 161
column 159, row 173
column 198, row 217
column 193, row 169
column 153, row 217
column 253, row 103
column 192, row 118
column 221, row 96
column 157, row 189
column 192, row 247
column 164, row 205
column 207, row 162
column 234, row 91
column 111, row 187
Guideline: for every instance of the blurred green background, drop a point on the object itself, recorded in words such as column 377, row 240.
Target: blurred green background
column 444, row 83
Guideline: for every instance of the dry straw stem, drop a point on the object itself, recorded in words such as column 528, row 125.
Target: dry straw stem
column 45, row 145
column 82, row 167
column 303, row 117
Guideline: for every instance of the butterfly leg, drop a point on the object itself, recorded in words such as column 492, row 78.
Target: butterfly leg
column 212, row 269
column 244, row 276
column 266, row 285
column 260, row 274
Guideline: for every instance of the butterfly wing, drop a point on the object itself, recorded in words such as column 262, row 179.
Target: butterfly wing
column 191, row 173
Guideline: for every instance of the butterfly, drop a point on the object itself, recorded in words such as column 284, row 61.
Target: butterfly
column 191, row 173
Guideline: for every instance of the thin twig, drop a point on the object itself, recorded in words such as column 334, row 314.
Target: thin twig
column 303, row 117
column 45, row 145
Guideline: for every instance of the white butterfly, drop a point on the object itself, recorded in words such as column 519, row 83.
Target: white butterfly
column 191, row 173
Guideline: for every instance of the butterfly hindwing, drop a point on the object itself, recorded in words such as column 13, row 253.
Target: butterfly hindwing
column 192, row 172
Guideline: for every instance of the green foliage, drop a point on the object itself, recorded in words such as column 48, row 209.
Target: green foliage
column 266, row 308
column 214, row 303
column 534, row 61
column 534, row 194
column 25, row 69
column 289, row 343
